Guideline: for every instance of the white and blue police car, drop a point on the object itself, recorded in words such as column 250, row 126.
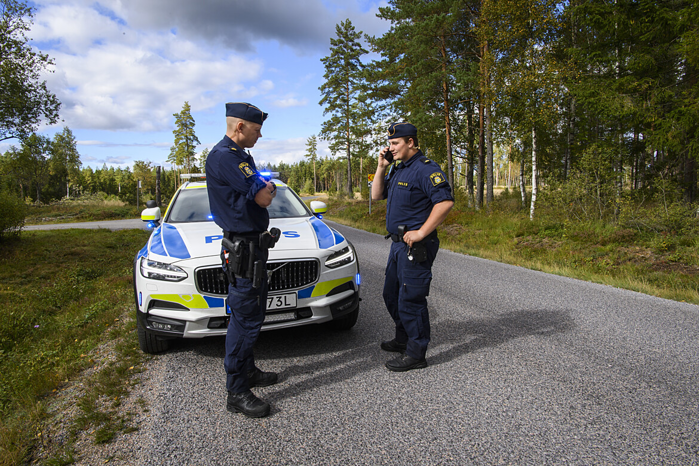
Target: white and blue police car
column 181, row 290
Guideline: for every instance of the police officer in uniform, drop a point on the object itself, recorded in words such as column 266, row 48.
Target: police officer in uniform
column 239, row 197
column 418, row 200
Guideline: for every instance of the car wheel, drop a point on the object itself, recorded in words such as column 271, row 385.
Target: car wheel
column 346, row 322
column 149, row 342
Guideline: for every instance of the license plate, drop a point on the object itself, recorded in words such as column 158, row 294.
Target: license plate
column 281, row 301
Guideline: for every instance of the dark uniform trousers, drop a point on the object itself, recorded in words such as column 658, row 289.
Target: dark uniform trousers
column 247, row 315
column 406, row 286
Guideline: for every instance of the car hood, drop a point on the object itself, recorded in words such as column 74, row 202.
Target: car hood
column 199, row 239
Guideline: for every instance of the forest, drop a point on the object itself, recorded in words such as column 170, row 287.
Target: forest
column 587, row 105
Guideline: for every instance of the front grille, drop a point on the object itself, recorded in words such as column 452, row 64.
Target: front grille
column 287, row 276
column 292, row 274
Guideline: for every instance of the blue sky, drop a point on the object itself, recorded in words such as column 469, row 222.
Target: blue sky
column 124, row 67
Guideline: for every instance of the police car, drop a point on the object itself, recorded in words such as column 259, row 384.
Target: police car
column 181, row 290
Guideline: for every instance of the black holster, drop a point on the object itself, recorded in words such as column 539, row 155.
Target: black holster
column 239, row 256
column 234, row 257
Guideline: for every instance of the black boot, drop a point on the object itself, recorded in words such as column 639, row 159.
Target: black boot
column 248, row 404
column 258, row 378
column 405, row 363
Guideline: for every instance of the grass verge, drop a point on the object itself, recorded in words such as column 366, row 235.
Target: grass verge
column 657, row 264
column 79, row 211
column 64, row 294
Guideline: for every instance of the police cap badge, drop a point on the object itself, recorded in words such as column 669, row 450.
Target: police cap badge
column 401, row 130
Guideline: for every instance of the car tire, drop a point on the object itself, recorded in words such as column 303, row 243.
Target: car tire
column 149, row 342
column 346, row 322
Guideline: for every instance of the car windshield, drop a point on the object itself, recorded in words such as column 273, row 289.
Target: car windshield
column 192, row 205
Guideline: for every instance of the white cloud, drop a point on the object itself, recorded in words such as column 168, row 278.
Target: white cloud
column 126, row 66
column 272, row 151
column 290, row 102
column 122, row 88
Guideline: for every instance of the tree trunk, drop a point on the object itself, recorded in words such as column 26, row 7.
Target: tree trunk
column 522, row 182
column 158, row 185
column 446, row 105
column 481, row 163
column 470, row 154
column 347, row 136
column 534, row 176
column 489, row 156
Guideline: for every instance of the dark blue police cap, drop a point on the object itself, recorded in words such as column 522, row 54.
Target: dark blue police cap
column 402, row 130
column 246, row 112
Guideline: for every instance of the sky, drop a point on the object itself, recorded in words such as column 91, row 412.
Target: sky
column 124, row 67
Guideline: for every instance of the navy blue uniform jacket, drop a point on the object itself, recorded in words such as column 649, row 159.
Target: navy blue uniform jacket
column 232, row 183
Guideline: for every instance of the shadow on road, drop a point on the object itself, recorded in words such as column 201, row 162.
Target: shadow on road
column 477, row 334
column 326, row 357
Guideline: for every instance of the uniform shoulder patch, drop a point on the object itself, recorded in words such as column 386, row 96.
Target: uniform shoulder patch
column 246, row 169
column 427, row 160
column 437, row 178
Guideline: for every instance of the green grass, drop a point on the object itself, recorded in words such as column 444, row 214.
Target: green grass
column 63, row 294
column 658, row 264
column 80, row 211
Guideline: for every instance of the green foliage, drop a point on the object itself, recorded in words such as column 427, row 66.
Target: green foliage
column 312, row 154
column 308, row 187
column 12, row 213
column 25, row 100
column 663, row 264
column 183, row 152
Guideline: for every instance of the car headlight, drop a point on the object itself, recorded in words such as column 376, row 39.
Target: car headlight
column 161, row 271
column 342, row 257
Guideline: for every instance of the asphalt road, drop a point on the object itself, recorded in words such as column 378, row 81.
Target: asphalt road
column 524, row 368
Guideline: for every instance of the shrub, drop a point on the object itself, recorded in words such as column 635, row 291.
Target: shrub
column 12, row 213
column 308, row 187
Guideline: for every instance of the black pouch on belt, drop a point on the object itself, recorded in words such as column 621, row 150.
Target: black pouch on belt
column 236, row 262
column 418, row 253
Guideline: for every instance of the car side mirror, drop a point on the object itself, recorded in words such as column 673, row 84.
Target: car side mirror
column 151, row 215
column 318, row 208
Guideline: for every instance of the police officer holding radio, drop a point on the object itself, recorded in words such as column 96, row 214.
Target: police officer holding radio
column 418, row 200
column 238, row 198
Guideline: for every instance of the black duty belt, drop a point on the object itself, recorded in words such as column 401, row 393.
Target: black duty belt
column 397, row 239
column 230, row 235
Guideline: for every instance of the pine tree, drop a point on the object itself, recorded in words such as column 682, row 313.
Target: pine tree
column 65, row 159
column 343, row 83
column 183, row 153
column 311, row 154
column 424, row 68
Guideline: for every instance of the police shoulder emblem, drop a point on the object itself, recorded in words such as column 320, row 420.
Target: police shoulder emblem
column 245, row 168
column 437, row 178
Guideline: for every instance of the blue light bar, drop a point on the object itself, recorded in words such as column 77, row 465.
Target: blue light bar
column 357, row 279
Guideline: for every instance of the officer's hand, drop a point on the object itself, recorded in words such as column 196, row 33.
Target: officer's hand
column 382, row 162
column 414, row 236
column 272, row 188
column 265, row 195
